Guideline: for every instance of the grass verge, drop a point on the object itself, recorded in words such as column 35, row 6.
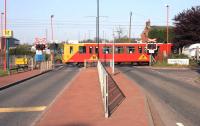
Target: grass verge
column 3, row 73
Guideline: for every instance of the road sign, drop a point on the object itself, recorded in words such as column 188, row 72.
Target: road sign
column 21, row 61
column 151, row 51
column 40, row 41
column 8, row 33
column 39, row 58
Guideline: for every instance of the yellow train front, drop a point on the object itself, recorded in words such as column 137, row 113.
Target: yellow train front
column 124, row 52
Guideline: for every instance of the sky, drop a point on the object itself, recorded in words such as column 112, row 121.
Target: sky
column 76, row 19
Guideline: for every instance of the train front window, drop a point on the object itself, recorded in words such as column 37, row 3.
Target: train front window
column 71, row 50
column 140, row 49
column 107, row 50
column 90, row 50
column 119, row 50
column 82, row 49
column 96, row 50
column 130, row 49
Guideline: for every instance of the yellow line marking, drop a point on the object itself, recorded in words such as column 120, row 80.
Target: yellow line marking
column 23, row 109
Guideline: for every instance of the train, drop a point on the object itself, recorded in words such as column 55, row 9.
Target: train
column 123, row 52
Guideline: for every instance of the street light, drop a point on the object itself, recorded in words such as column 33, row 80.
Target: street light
column 52, row 16
column 2, row 24
column 167, row 6
column 6, row 44
column 97, row 27
column 113, row 54
column 52, row 38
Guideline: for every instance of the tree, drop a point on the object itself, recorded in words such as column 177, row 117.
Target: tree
column 160, row 33
column 21, row 50
column 187, row 27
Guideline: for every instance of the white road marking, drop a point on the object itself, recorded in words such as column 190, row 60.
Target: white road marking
column 179, row 124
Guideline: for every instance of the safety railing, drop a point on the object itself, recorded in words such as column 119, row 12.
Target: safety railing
column 111, row 94
column 103, row 79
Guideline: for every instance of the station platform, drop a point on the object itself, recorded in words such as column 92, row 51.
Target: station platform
column 80, row 104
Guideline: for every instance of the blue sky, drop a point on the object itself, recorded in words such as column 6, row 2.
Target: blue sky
column 75, row 19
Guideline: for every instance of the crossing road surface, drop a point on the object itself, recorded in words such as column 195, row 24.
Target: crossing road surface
column 177, row 101
column 22, row 104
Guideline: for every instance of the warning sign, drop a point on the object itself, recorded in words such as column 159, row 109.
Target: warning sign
column 94, row 57
column 142, row 57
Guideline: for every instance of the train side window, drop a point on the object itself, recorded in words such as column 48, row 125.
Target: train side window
column 71, row 51
column 96, row 50
column 82, row 49
column 90, row 50
column 140, row 49
column 130, row 49
column 107, row 50
column 119, row 49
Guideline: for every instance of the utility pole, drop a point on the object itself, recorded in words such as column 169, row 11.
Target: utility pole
column 6, row 58
column 52, row 16
column 97, row 25
column 2, row 24
column 167, row 28
column 130, row 27
column 113, row 54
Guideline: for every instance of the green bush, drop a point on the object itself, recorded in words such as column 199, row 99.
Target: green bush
column 177, row 56
column 3, row 73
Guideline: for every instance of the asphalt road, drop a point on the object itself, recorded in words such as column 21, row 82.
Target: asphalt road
column 36, row 92
column 180, row 97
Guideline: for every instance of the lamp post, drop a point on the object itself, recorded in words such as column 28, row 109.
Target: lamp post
column 113, row 54
column 167, row 6
column 6, row 46
column 52, row 38
column 52, row 16
column 130, row 27
column 97, row 27
column 2, row 24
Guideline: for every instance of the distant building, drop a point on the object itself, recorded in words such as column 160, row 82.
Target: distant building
column 13, row 42
column 145, row 33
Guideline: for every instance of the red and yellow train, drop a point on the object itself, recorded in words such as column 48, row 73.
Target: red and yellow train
column 124, row 52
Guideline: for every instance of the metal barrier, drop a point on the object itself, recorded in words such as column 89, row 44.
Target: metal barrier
column 103, row 79
column 111, row 93
column 46, row 66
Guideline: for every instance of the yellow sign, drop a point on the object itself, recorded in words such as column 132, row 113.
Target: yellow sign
column 8, row 33
column 94, row 57
column 21, row 61
column 142, row 57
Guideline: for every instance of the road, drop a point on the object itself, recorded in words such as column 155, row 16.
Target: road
column 176, row 101
column 22, row 104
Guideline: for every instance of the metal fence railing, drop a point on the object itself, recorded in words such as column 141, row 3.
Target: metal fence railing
column 103, row 79
column 111, row 94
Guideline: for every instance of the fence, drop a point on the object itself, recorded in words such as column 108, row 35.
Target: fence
column 111, row 94
column 103, row 79
column 46, row 66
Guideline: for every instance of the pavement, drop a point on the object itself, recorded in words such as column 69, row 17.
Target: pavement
column 13, row 79
column 80, row 104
